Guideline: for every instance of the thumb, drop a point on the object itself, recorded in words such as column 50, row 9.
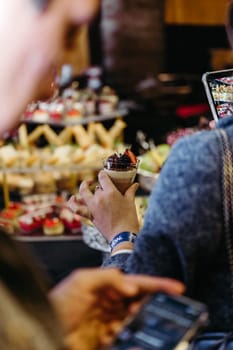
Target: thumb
column 131, row 191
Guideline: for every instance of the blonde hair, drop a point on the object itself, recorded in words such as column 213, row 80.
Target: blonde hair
column 27, row 319
column 19, row 330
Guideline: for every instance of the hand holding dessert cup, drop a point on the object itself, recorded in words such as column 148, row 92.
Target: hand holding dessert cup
column 110, row 219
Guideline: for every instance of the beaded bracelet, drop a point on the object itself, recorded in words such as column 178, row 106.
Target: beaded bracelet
column 122, row 237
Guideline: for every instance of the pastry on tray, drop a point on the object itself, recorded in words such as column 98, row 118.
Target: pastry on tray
column 53, row 226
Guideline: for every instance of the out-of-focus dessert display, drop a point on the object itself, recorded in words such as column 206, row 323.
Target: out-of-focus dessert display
column 150, row 165
column 154, row 156
column 74, row 105
column 153, row 159
column 62, row 141
column 66, row 158
column 175, row 135
column 39, row 215
column 122, row 169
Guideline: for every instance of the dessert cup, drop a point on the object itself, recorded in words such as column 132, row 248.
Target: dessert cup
column 120, row 176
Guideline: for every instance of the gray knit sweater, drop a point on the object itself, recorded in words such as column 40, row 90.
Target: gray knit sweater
column 182, row 236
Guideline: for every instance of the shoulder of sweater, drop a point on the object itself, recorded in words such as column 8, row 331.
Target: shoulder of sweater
column 190, row 158
column 198, row 138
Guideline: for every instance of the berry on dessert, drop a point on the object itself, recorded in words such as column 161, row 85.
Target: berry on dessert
column 131, row 156
column 121, row 161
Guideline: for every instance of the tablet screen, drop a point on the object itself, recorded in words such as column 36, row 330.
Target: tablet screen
column 219, row 89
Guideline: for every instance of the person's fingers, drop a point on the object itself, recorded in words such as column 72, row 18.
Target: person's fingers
column 130, row 193
column 78, row 207
column 212, row 124
column 153, row 284
column 72, row 204
column 113, row 329
column 83, row 211
column 99, row 277
column 85, row 192
column 126, row 285
column 104, row 180
column 131, row 285
column 146, row 286
column 111, row 280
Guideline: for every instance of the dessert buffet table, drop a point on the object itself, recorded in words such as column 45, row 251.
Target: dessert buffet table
column 79, row 245
column 58, row 256
column 53, row 233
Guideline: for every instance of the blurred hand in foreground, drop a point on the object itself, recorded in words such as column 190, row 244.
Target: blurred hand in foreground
column 110, row 211
column 92, row 303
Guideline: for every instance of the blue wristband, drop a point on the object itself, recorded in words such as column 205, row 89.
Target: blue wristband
column 122, row 237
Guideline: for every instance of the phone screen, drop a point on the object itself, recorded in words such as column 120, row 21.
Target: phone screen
column 219, row 89
column 162, row 323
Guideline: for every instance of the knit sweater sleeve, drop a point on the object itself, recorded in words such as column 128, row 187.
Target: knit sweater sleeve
column 183, row 224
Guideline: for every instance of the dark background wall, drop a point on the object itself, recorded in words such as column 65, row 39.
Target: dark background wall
column 187, row 47
column 131, row 36
column 131, row 41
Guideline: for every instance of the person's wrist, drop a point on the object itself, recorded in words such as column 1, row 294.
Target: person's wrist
column 123, row 247
column 122, row 227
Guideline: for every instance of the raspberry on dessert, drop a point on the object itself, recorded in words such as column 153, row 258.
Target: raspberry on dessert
column 131, row 156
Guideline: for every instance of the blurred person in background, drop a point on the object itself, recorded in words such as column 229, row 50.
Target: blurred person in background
column 183, row 232
column 84, row 310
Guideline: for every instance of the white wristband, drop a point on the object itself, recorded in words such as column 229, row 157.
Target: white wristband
column 122, row 251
